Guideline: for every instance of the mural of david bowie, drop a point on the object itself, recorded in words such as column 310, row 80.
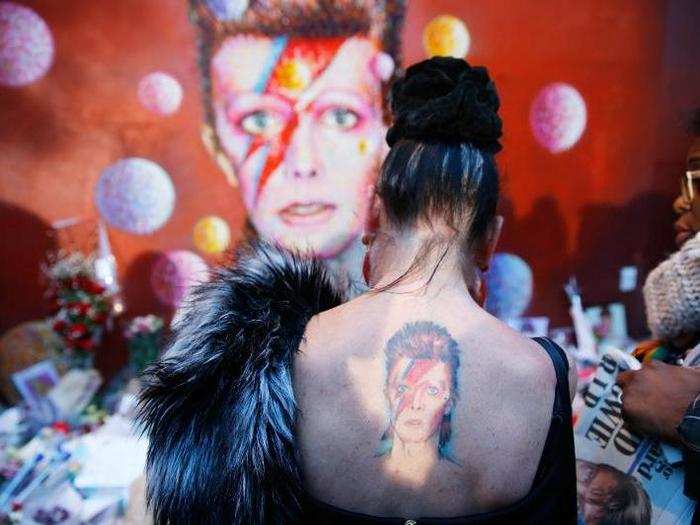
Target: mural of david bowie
column 295, row 115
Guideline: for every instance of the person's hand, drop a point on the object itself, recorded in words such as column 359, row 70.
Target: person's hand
column 655, row 398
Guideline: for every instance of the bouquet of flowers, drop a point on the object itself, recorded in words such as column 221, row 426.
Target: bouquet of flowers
column 145, row 337
column 81, row 307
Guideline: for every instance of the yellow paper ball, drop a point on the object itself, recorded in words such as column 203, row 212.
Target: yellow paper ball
column 293, row 75
column 445, row 36
column 211, row 234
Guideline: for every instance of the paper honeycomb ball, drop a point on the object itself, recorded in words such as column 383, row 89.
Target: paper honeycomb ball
column 160, row 93
column 175, row 273
column 135, row 195
column 227, row 10
column 509, row 286
column 26, row 45
column 558, row 117
column 446, row 36
column 211, row 235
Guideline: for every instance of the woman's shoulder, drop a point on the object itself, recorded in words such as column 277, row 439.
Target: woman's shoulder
column 539, row 361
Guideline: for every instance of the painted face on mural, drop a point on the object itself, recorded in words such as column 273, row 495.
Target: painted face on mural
column 419, row 395
column 300, row 119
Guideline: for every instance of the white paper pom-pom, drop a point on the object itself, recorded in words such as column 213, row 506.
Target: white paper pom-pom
column 160, row 93
column 135, row 195
column 227, row 10
column 26, row 45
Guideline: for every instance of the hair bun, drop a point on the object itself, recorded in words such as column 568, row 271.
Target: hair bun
column 446, row 99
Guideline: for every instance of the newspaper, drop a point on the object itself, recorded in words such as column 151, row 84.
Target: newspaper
column 623, row 477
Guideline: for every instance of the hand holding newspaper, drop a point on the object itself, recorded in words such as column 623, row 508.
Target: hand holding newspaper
column 623, row 477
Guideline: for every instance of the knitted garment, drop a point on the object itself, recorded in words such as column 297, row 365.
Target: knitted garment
column 672, row 293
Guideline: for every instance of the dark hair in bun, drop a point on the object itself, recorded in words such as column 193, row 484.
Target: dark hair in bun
column 444, row 99
column 445, row 133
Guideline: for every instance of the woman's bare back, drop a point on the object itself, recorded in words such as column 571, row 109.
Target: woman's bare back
column 411, row 406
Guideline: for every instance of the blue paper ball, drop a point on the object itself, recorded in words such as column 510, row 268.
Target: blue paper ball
column 135, row 195
column 509, row 286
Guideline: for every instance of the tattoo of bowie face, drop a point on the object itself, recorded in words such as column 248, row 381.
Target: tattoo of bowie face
column 422, row 361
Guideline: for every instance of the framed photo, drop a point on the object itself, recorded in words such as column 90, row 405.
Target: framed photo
column 35, row 382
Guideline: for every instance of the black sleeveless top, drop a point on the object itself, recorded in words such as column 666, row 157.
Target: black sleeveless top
column 552, row 498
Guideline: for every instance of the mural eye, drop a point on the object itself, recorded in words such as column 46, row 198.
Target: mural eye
column 261, row 122
column 340, row 118
column 401, row 389
column 433, row 391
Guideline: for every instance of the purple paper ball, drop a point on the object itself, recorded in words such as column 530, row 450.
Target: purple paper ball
column 558, row 117
column 135, row 195
column 26, row 45
column 175, row 273
column 160, row 93
column 509, row 286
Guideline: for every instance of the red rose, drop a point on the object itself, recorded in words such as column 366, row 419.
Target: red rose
column 85, row 344
column 83, row 308
column 91, row 286
column 77, row 331
column 59, row 325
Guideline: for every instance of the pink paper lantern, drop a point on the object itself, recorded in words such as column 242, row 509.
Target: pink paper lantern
column 558, row 117
column 160, row 93
column 175, row 273
column 26, row 45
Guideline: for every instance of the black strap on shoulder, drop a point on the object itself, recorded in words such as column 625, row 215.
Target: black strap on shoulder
column 558, row 456
column 561, row 368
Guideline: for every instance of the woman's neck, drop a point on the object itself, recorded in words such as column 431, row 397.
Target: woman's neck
column 420, row 261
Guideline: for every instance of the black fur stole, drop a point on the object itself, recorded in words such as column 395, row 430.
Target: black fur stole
column 218, row 408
